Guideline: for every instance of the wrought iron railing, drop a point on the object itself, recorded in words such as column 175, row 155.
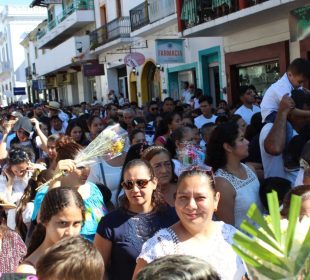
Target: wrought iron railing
column 118, row 28
column 139, row 16
column 70, row 9
column 195, row 12
column 150, row 11
column 28, row 72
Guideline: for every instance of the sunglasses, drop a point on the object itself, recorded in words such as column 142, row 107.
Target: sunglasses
column 141, row 184
column 154, row 109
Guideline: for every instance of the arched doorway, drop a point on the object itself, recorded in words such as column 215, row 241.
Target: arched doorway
column 150, row 82
column 133, row 87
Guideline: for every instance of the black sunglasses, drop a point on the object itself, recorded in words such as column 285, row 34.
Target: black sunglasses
column 141, row 183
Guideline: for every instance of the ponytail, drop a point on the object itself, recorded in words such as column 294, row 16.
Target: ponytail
column 37, row 238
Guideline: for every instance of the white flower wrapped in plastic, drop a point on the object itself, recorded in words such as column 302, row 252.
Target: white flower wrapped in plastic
column 278, row 249
column 110, row 143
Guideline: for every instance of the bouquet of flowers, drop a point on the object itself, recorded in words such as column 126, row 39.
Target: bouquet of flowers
column 278, row 249
column 110, row 143
column 191, row 154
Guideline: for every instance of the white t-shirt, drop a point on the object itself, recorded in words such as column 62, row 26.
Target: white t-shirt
column 247, row 113
column 273, row 96
column 187, row 97
column 112, row 176
column 201, row 120
column 273, row 165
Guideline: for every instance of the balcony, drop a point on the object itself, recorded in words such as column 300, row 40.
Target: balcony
column 118, row 29
column 223, row 17
column 72, row 52
column 73, row 18
column 155, row 14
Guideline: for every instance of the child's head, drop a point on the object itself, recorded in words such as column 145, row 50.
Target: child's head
column 62, row 214
column 71, row 258
column 298, row 71
column 304, row 192
column 206, row 131
column 280, row 185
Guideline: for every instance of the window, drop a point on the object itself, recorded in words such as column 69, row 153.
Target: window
column 103, row 15
column 36, row 52
column 118, row 9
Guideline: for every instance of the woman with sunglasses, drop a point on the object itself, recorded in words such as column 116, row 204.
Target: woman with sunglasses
column 196, row 233
column 121, row 233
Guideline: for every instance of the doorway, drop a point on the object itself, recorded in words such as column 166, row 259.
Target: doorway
column 214, row 76
column 150, row 82
column 133, row 87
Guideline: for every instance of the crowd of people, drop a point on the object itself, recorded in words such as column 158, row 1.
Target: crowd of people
column 171, row 202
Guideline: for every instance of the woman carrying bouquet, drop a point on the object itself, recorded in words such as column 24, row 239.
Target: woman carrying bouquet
column 196, row 234
column 121, row 233
column 75, row 177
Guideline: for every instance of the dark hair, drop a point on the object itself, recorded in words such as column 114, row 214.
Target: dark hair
column 72, row 125
column 133, row 134
column 70, row 257
column 177, row 135
column 54, row 202
column 292, row 153
column 18, row 155
column 67, row 148
column 91, row 119
column 196, row 171
column 55, row 117
column 254, row 127
column 198, row 92
column 300, row 66
column 110, row 105
column 163, row 127
column 301, row 98
column 38, row 178
column 178, row 267
column 280, row 185
column 224, row 133
column 138, row 120
column 243, row 90
column 221, row 119
column 157, row 198
column 168, row 99
column 300, row 191
column 186, row 83
column 206, row 98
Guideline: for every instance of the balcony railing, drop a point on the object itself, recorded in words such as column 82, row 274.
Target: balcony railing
column 195, row 12
column 150, row 11
column 76, row 5
column 139, row 16
column 159, row 9
column 118, row 28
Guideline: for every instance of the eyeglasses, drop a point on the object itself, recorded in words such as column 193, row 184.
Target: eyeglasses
column 141, row 184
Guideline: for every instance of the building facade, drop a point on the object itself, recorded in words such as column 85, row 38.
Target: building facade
column 260, row 37
column 16, row 22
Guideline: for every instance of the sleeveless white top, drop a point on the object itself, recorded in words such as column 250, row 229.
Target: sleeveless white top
column 218, row 253
column 247, row 192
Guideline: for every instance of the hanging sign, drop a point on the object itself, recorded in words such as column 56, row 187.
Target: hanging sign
column 169, row 51
column 134, row 59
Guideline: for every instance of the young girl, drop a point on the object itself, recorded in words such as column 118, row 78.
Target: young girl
column 62, row 214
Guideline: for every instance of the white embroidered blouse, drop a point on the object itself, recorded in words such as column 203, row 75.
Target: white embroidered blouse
column 219, row 253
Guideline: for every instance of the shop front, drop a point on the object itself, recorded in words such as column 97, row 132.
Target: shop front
column 260, row 67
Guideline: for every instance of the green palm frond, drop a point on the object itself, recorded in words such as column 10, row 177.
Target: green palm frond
column 275, row 251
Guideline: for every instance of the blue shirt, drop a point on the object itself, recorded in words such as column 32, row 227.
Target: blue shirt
column 94, row 206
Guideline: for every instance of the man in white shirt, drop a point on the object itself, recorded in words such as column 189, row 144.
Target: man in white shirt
column 186, row 95
column 272, row 138
column 247, row 109
column 205, row 104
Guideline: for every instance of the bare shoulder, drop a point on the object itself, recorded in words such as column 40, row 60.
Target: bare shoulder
column 223, row 185
column 26, row 268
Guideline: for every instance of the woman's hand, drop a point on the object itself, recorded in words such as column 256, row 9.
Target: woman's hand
column 35, row 166
column 36, row 123
column 67, row 165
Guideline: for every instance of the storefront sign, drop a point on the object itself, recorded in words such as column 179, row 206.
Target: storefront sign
column 134, row 59
column 95, row 69
column 19, row 91
column 169, row 51
column 299, row 21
